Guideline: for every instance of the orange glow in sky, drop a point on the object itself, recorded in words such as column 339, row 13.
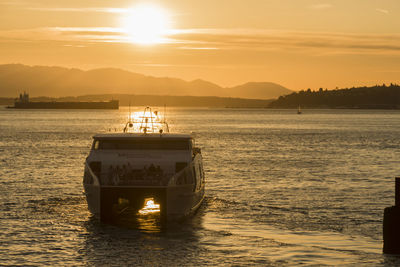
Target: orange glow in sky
column 299, row 44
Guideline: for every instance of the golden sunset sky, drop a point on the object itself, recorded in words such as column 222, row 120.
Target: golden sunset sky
column 296, row 43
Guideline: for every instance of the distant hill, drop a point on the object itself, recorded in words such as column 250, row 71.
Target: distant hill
column 58, row 81
column 155, row 100
column 259, row 90
column 379, row 97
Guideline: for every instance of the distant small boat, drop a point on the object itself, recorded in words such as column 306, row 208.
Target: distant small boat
column 298, row 110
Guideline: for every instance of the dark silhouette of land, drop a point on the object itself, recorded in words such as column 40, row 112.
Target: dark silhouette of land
column 154, row 100
column 63, row 84
column 59, row 82
column 375, row 97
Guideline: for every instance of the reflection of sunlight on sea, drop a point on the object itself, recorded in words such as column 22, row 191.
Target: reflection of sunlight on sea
column 148, row 120
column 286, row 245
column 146, row 222
column 282, row 189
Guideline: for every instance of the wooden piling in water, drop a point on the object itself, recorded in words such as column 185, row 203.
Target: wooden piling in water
column 391, row 224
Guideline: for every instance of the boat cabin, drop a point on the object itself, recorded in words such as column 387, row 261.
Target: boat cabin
column 140, row 159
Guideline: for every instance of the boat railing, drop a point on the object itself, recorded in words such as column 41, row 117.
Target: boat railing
column 139, row 181
column 128, row 176
column 142, row 177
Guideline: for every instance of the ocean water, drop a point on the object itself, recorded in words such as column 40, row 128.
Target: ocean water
column 282, row 189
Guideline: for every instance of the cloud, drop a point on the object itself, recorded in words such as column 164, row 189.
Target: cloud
column 293, row 41
column 321, row 6
column 384, row 11
column 12, row 3
column 36, row 7
column 61, row 34
column 198, row 48
column 81, row 9
column 222, row 39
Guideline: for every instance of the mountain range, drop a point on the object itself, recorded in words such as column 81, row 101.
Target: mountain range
column 60, row 81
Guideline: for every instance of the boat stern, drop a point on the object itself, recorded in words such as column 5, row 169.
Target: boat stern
column 118, row 201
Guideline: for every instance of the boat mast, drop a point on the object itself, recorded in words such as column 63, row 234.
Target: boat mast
column 129, row 123
column 165, row 116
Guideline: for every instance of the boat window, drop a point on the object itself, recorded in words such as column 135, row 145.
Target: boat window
column 96, row 145
column 157, row 144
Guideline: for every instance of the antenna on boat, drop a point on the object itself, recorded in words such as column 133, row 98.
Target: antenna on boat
column 129, row 123
column 129, row 110
column 165, row 111
column 165, row 115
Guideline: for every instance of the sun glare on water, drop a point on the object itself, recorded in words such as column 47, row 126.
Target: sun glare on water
column 145, row 122
column 146, row 24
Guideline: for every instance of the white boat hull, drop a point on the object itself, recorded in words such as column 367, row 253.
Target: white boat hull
column 176, row 200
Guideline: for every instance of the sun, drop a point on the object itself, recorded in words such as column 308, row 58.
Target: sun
column 146, row 24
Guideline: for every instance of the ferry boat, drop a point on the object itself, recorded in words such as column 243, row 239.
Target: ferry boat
column 144, row 169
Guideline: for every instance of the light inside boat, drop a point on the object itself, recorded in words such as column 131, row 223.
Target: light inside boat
column 149, row 207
